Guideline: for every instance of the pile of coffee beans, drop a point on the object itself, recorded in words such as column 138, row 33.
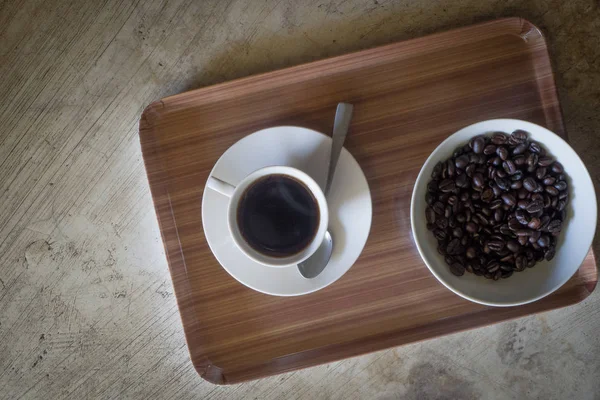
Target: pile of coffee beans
column 497, row 206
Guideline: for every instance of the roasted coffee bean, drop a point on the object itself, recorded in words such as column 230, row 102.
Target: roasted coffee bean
column 522, row 204
column 495, row 204
column 440, row 234
column 447, row 211
column 535, row 206
column 492, row 266
column 429, row 198
column 543, row 241
column 462, row 181
column 531, row 162
column 534, row 147
column 502, row 152
column 499, row 215
column 514, row 224
column 516, row 185
column 430, row 215
column 509, row 166
column 496, row 245
column 471, row 253
column 522, row 240
column 451, row 169
column 545, row 161
column 518, row 136
column 513, row 246
column 457, row 269
column 561, row 185
column 557, row 168
column 453, row 246
column 487, row 195
column 470, row 170
column 441, row 223
column 506, row 267
column 437, row 171
column 520, row 263
column 563, row 195
column 520, row 149
column 545, row 220
column 534, row 223
column 547, row 201
column 472, row 227
column 552, row 191
column 509, row 199
column 540, row 173
column 530, row 184
column 517, row 176
column 520, row 160
column 462, row 161
column 477, row 144
column 502, row 183
column 447, row 185
column 535, row 235
column 499, row 138
column 482, row 218
column 457, row 233
column 523, row 232
column 502, row 205
column 489, row 149
column 507, row 274
column 495, row 188
column 478, row 180
column 522, row 217
column 554, row 226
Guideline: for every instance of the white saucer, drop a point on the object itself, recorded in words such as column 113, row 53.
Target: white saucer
column 350, row 208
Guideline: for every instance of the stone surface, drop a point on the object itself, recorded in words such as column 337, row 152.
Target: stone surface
column 86, row 303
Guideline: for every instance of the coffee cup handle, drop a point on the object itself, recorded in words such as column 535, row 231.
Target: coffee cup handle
column 220, row 186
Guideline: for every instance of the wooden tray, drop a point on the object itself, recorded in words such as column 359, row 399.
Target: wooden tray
column 408, row 97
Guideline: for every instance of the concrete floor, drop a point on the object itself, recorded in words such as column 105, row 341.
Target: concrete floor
column 86, row 303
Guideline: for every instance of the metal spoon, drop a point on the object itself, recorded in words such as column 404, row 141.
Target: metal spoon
column 316, row 263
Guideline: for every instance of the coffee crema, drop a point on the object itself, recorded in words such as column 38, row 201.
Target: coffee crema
column 278, row 216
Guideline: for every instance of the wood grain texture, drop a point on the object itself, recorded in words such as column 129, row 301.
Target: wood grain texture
column 408, row 97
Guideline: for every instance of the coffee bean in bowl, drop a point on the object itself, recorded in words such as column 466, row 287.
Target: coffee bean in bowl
column 489, row 209
column 505, row 200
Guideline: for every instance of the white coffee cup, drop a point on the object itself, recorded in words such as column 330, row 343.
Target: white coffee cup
column 235, row 194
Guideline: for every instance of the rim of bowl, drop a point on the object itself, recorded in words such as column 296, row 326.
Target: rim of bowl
column 413, row 221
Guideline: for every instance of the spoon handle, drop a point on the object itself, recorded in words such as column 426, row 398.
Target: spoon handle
column 343, row 115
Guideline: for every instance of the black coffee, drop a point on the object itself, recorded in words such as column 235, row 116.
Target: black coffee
column 278, row 216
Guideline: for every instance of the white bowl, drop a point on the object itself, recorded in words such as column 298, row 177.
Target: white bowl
column 545, row 277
